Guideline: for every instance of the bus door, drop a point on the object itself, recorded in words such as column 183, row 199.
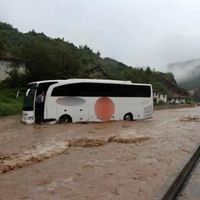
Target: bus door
column 40, row 101
column 39, row 107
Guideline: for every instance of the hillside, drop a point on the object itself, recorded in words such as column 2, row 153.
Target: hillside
column 48, row 58
column 161, row 81
column 188, row 75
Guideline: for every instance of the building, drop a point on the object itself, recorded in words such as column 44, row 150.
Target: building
column 97, row 72
column 8, row 63
column 176, row 99
column 159, row 97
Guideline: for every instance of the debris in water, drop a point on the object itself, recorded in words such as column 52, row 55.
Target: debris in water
column 191, row 119
column 14, row 161
column 125, row 126
column 87, row 142
column 128, row 138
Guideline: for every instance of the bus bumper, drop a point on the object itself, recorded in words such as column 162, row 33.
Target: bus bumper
column 28, row 117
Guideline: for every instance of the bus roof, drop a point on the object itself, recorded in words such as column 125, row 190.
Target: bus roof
column 63, row 81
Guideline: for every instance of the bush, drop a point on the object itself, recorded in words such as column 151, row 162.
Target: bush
column 9, row 105
column 161, row 102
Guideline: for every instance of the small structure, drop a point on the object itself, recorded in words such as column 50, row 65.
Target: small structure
column 8, row 63
column 176, row 99
column 159, row 97
column 97, row 72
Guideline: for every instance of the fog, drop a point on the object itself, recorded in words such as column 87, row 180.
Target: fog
column 185, row 70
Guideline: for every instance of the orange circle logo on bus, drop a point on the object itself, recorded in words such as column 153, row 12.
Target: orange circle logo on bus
column 104, row 108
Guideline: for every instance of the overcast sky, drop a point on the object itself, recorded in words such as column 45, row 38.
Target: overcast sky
column 136, row 32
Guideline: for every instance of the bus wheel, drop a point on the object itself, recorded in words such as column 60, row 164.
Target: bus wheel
column 65, row 119
column 128, row 117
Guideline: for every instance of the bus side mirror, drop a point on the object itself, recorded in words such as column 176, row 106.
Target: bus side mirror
column 17, row 94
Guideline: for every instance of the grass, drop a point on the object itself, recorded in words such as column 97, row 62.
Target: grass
column 9, row 104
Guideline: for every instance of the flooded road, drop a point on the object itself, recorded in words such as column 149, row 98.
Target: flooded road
column 115, row 160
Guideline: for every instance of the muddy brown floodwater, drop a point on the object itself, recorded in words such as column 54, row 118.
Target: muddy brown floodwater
column 102, row 161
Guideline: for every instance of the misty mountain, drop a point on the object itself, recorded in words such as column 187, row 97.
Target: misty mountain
column 187, row 75
column 48, row 58
column 163, row 82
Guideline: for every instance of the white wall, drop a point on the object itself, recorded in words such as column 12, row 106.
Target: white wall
column 5, row 66
column 160, row 97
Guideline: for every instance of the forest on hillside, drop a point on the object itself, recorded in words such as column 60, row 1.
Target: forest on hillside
column 48, row 58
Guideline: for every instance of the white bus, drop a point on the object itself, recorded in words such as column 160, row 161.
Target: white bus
column 84, row 100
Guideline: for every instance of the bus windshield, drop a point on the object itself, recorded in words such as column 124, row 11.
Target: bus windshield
column 29, row 97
